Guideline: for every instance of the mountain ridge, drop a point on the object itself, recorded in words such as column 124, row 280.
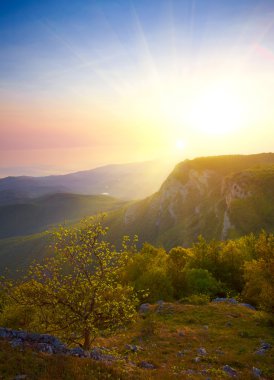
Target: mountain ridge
column 193, row 200
column 234, row 199
column 124, row 181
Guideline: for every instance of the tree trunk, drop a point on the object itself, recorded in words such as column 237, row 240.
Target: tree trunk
column 87, row 339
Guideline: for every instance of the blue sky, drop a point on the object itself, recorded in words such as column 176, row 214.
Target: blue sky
column 39, row 36
column 108, row 75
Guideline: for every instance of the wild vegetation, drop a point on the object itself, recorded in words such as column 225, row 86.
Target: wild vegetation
column 86, row 293
column 76, row 293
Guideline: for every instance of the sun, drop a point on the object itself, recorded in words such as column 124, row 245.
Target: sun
column 180, row 145
column 217, row 111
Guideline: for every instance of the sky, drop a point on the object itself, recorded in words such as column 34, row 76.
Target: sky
column 85, row 83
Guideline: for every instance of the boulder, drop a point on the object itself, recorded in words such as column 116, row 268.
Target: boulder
column 146, row 365
column 256, row 372
column 227, row 300
column 201, row 351
column 230, row 371
column 97, row 354
column 144, row 308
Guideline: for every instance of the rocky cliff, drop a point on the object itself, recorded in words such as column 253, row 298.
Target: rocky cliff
column 218, row 197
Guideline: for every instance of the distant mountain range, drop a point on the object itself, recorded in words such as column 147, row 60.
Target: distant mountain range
column 125, row 181
column 218, row 197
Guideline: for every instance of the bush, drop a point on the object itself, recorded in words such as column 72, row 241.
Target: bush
column 200, row 281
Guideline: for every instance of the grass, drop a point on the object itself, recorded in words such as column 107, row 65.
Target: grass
column 169, row 340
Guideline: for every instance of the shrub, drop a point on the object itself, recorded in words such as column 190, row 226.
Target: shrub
column 201, row 281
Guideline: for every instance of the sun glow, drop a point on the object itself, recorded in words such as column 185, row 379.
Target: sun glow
column 217, row 111
column 180, row 145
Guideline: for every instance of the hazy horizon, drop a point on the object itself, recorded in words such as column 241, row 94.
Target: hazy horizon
column 89, row 83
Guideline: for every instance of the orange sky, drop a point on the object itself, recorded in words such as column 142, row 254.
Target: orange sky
column 186, row 82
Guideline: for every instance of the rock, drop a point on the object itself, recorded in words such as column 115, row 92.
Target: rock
column 77, row 351
column 160, row 307
column 181, row 333
column 230, row 371
column 16, row 342
column 219, row 352
column 205, row 327
column 147, row 365
column 5, row 333
column 197, row 359
column 97, row 354
column 144, row 308
column 227, row 300
column 180, row 354
column 189, row 372
column 260, row 352
column 256, row 372
column 201, row 351
column 44, row 347
column 233, row 302
column 263, row 348
column 247, row 305
column 133, row 347
column 228, row 324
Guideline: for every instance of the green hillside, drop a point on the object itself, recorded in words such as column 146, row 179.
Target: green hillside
column 39, row 214
column 17, row 253
column 217, row 197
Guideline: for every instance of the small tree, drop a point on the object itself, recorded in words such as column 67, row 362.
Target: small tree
column 77, row 293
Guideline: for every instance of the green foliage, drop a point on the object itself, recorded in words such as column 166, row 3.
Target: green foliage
column 147, row 270
column 200, row 281
column 259, row 274
column 77, row 293
column 177, row 259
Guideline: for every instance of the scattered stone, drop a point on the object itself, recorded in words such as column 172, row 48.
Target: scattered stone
column 230, row 371
column 263, row 348
column 260, row 351
column 205, row 327
column 160, row 306
column 227, row 300
column 77, row 351
column 44, row 347
column 228, row 324
column 51, row 345
column 147, row 365
column 181, row 333
column 256, row 372
column 133, row 347
column 98, row 354
column 197, row 359
column 201, row 351
column 144, row 308
column 16, row 342
column 233, row 302
column 190, row 372
column 180, row 353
